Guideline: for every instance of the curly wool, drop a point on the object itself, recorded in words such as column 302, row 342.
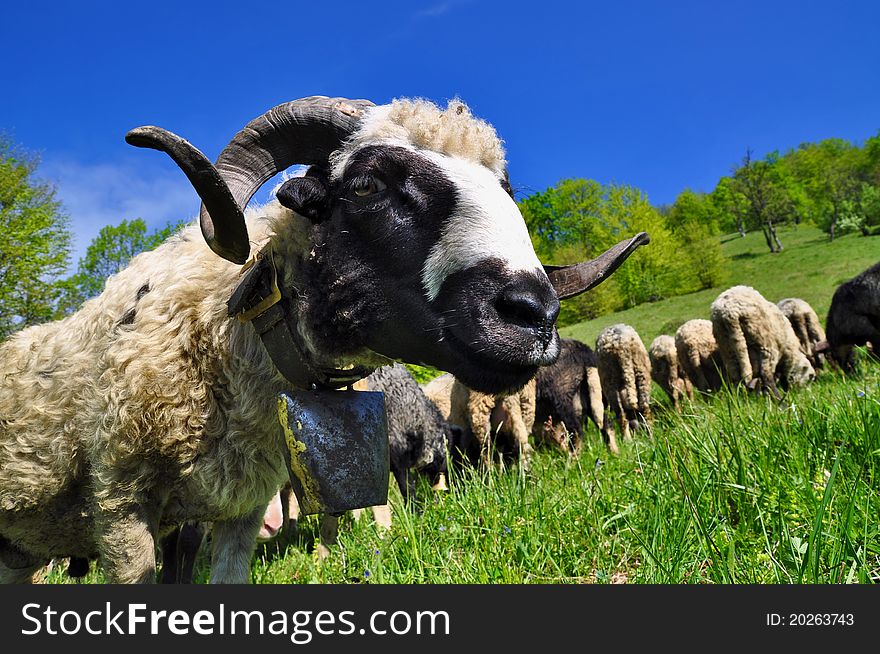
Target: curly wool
column 806, row 326
column 148, row 394
column 698, row 355
column 667, row 371
column 625, row 374
column 417, row 123
column 756, row 341
column 510, row 417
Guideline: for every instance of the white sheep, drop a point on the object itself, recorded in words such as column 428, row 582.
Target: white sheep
column 806, row 326
column 698, row 354
column 757, row 343
column 503, row 421
column 625, row 373
column 667, row 371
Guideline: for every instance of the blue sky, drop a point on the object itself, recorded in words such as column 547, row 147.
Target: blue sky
column 660, row 95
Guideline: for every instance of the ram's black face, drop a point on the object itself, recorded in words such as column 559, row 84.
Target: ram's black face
column 426, row 258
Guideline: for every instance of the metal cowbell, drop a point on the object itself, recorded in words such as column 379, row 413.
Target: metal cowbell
column 338, row 445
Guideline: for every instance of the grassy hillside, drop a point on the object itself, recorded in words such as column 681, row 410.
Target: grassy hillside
column 809, row 268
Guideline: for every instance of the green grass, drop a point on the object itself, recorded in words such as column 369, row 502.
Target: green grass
column 737, row 489
column 810, row 267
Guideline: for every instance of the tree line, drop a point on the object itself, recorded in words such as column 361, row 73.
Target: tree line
column 833, row 184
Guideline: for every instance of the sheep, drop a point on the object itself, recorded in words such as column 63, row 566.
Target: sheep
column 155, row 403
column 625, row 375
column 805, row 324
column 853, row 318
column 418, row 435
column 566, row 393
column 508, row 417
column 667, row 371
column 757, row 343
column 698, row 355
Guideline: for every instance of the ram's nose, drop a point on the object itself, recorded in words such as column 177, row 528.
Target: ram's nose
column 530, row 303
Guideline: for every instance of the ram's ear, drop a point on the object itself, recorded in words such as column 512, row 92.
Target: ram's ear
column 308, row 196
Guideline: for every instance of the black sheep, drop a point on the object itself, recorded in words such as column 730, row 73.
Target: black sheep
column 567, row 393
column 854, row 317
column 418, row 436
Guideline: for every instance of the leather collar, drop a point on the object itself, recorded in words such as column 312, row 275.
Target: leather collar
column 259, row 300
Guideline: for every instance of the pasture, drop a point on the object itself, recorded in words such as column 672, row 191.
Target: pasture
column 736, row 489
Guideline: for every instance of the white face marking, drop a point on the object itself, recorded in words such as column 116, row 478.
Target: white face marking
column 487, row 224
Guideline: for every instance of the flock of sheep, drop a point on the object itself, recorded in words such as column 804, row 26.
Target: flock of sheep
column 150, row 414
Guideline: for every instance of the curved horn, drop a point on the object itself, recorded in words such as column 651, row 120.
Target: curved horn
column 208, row 183
column 304, row 131
column 572, row 280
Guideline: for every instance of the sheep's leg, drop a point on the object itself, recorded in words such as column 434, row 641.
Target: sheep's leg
column 17, row 575
column 406, row 482
column 328, row 532
column 767, row 373
column 643, row 401
column 520, row 433
column 17, row 567
column 569, row 416
column 620, row 413
column 596, row 408
column 382, row 516
column 127, row 545
column 179, row 552
column 233, row 546
column 480, row 421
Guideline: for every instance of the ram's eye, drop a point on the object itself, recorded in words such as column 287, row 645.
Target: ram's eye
column 368, row 186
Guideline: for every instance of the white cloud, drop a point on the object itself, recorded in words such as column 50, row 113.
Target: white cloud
column 95, row 195
column 434, row 10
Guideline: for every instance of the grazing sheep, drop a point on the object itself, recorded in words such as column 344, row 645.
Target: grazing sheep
column 667, row 371
column 155, row 403
column 854, row 318
column 625, row 374
column 418, row 436
column 698, row 355
column 756, row 342
column 566, row 394
column 805, row 324
column 508, row 417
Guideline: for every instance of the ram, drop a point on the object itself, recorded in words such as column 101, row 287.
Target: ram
column 155, row 403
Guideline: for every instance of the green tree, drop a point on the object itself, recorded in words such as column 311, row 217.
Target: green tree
column 693, row 220
column 768, row 202
column 831, row 173
column 579, row 219
column 107, row 254
column 34, row 242
column 729, row 206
